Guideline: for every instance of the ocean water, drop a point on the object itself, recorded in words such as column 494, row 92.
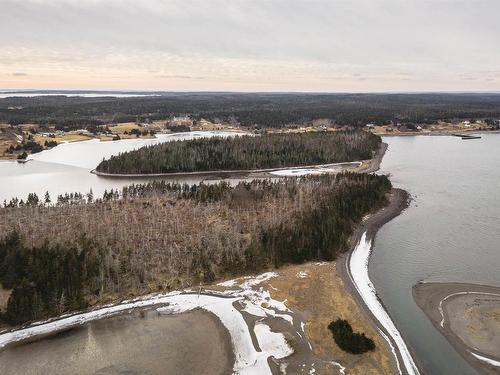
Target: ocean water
column 451, row 232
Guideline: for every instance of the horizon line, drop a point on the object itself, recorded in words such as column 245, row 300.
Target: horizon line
column 144, row 91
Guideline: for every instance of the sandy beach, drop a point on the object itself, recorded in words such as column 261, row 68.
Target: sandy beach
column 468, row 315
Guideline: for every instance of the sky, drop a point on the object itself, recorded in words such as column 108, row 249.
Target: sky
column 251, row 45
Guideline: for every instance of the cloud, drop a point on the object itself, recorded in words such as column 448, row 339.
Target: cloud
column 180, row 77
column 285, row 43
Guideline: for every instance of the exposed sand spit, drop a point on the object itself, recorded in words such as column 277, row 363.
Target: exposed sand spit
column 468, row 316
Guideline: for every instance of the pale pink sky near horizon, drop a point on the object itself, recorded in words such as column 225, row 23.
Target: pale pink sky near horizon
column 251, row 45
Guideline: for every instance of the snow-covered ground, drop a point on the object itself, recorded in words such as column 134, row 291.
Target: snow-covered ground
column 249, row 360
column 320, row 169
column 358, row 269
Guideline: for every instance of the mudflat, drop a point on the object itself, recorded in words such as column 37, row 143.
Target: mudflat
column 468, row 315
column 142, row 342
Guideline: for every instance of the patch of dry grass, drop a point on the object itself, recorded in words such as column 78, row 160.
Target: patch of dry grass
column 68, row 137
column 124, row 127
column 4, row 298
column 321, row 296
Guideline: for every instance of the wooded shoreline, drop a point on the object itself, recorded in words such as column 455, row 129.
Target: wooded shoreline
column 226, row 173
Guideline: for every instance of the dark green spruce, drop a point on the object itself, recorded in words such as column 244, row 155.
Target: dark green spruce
column 54, row 277
column 245, row 153
column 348, row 340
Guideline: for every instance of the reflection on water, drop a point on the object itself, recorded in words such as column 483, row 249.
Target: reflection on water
column 66, row 168
column 450, row 233
column 88, row 154
column 137, row 343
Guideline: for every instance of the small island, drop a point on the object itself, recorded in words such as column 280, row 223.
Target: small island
column 244, row 153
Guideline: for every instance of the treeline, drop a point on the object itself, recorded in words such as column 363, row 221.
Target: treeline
column 245, row 153
column 163, row 236
column 252, row 110
column 323, row 231
column 348, row 340
column 44, row 280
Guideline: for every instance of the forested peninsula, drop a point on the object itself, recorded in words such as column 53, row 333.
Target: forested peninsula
column 245, row 153
column 78, row 252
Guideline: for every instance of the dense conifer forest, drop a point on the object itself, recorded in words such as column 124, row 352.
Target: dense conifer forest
column 245, row 153
column 250, row 110
column 348, row 340
column 67, row 253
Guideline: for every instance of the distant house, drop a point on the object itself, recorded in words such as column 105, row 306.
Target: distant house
column 370, row 126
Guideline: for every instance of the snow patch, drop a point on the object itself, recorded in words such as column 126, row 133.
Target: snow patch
column 487, row 360
column 248, row 361
column 314, row 170
column 440, row 307
column 341, row 368
column 358, row 267
column 228, row 283
column 271, row 343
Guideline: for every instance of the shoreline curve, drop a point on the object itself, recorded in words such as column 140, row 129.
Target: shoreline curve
column 433, row 299
column 361, row 166
column 398, row 201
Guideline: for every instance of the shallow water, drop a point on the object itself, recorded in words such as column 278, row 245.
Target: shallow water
column 449, row 233
column 66, row 168
column 135, row 343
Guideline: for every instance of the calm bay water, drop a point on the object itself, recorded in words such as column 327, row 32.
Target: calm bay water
column 66, row 168
column 451, row 232
column 129, row 344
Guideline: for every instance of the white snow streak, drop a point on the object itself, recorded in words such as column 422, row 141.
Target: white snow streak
column 272, row 343
column 440, row 307
column 249, row 361
column 319, row 169
column 358, row 267
column 487, row 360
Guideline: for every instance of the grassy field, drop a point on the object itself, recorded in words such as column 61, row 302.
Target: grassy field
column 318, row 292
column 440, row 127
column 67, row 137
column 123, row 130
column 124, row 127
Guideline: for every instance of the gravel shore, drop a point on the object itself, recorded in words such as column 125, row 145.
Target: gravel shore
column 398, row 202
column 468, row 315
